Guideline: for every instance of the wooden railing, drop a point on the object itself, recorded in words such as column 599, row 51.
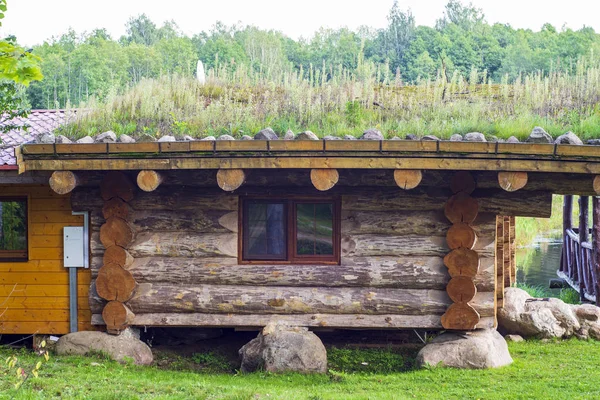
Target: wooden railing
column 580, row 260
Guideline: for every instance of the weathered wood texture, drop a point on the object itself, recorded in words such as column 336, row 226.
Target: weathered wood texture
column 409, row 272
column 153, row 298
column 34, row 295
column 499, row 261
column 393, row 245
column 258, row 321
column 497, row 201
column 113, row 282
column 462, row 210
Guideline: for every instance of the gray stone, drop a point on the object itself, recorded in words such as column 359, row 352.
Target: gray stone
column 530, row 317
column 430, row 137
column 266, row 134
column 589, row 319
column 225, row 137
column 61, row 139
column 106, row 137
column 411, row 136
column 167, row 138
column 209, row 138
column 568, row 138
column 46, row 138
column 349, row 137
column 330, row 137
column 283, row 348
column 396, row 138
column 187, row 138
column 512, row 139
column 514, row 338
column 85, row 139
column 289, row 135
column 456, row 138
column 306, row 135
column 247, row 137
column 126, row 139
column 475, row 137
column 372, row 134
column 145, row 138
column 593, row 142
column 119, row 348
column 539, row 135
column 478, row 349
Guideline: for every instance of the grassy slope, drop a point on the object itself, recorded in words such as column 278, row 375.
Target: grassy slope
column 541, row 370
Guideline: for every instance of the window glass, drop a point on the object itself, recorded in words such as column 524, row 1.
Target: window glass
column 265, row 230
column 314, row 229
column 13, row 229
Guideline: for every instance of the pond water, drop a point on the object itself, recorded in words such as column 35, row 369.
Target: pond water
column 537, row 264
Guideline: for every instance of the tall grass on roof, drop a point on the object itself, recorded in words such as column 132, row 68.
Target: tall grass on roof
column 330, row 100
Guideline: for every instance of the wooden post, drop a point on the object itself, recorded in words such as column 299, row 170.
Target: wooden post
column 567, row 224
column 596, row 247
column 584, row 203
column 499, row 261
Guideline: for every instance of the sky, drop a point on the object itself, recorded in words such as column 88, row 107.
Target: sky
column 33, row 21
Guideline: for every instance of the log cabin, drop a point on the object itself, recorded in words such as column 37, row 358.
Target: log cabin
column 324, row 234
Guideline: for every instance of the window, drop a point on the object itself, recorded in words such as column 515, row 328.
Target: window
column 298, row 231
column 13, row 229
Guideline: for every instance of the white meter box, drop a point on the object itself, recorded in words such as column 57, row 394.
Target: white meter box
column 73, row 246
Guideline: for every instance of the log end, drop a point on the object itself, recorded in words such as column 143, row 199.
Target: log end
column 230, row 179
column 117, row 317
column 512, row 181
column 408, row 178
column 149, row 180
column 460, row 316
column 63, row 182
column 324, row 179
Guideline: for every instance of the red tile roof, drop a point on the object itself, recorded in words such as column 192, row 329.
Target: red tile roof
column 40, row 122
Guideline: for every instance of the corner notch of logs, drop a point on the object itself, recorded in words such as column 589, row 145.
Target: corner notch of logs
column 114, row 282
column 462, row 261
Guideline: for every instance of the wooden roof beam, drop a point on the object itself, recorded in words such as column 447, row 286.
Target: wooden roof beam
column 512, row 181
column 63, row 182
column 324, row 179
column 149, row 180
column 230, row 179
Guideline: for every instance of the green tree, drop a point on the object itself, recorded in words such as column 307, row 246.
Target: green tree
column 18, row 67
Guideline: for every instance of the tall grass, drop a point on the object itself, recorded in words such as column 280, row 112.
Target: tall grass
column 334, row 101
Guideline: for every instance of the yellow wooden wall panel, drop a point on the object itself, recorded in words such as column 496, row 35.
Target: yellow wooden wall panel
column 34, row 295
column 46, row 303
column 32, row 290
column 42, row 278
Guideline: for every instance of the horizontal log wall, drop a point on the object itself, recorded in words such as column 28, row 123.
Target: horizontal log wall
column 392, row 272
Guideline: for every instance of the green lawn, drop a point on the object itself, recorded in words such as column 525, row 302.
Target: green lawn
column 541, row 371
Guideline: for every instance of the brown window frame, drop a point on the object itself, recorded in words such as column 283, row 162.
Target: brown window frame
column 17, row 255
column 290, row 228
